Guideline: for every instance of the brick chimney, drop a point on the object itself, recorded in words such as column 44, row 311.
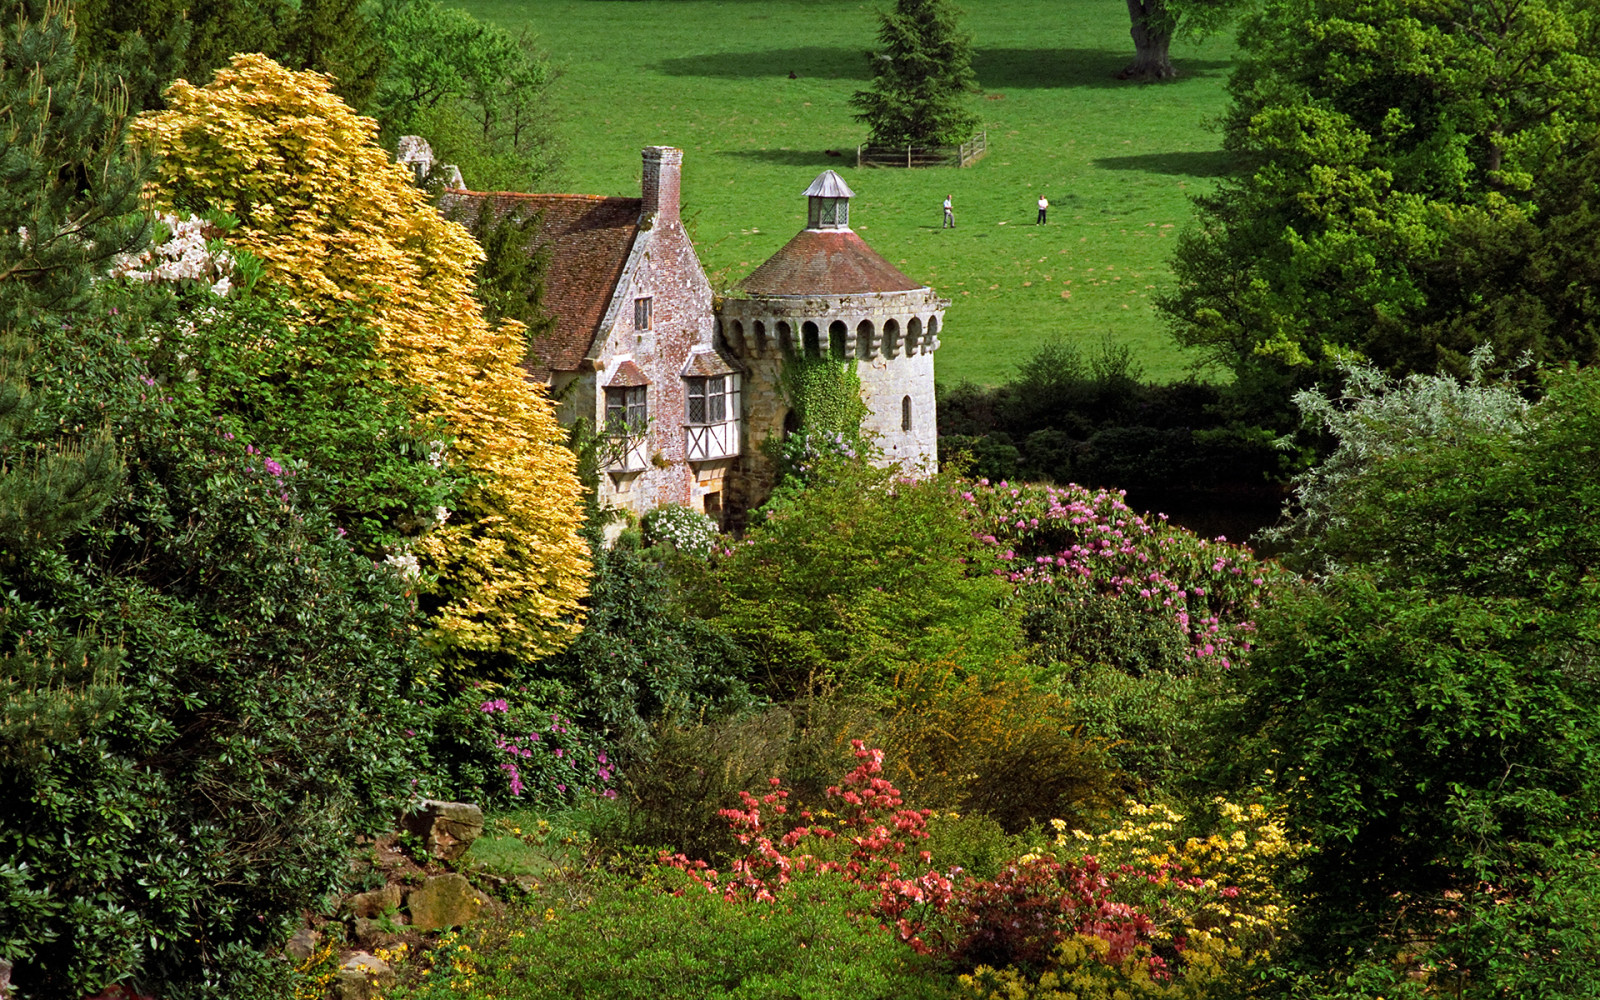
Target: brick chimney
column 663, row 171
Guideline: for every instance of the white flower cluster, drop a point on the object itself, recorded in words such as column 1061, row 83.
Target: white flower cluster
column 688, row 531
column 405, row 564
column 185, row 256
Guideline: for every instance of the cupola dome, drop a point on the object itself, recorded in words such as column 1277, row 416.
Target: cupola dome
column 828, row 200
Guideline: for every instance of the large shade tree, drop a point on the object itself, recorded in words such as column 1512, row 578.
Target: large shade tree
column 1418, row 179
column 1428, row 708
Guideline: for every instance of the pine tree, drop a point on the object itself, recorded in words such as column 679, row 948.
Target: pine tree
column 921, row 76
column 66, row 190
column 66, row 194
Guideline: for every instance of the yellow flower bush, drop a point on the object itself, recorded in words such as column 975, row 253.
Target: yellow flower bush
column 344, row 230
column 1213, row 900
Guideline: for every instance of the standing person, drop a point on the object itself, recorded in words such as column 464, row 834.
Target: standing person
column 949, row 215
column 1043, row 204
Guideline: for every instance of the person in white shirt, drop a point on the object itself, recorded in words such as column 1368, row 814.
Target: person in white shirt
column 1043, row 204
column 949, row 215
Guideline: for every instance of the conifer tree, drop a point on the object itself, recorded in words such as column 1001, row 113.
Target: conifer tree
column 337, row 38
column 65, row 188
column 65, row 197
column 921, row 76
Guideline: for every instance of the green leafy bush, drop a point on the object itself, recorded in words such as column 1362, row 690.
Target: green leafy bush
column 641, row 654
column 856, row 575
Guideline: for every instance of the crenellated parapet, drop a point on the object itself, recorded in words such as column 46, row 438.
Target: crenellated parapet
column 867, row 326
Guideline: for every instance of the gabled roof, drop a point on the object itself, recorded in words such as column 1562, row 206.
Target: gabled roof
column 826, row 262
column 588, row 239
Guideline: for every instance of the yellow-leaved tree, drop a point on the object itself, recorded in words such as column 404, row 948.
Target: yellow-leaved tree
column 344, row 230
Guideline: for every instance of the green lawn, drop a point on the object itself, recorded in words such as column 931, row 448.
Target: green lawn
column 1117, row 161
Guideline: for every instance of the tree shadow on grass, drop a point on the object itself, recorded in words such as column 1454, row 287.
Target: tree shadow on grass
column 795, row 157
column 1197, row 163
column 1031, row 69
column 997, row 69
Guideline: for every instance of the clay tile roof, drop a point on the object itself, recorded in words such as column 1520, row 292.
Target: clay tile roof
column 588, row 238
column 708, row 364
column 826, row 262
column 829, row 185
column 627, row 376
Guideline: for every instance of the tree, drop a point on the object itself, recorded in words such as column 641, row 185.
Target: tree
column 338, row 38
column 921, row 77
column 1429, row 712
column 64, row 214
column 345, row 230
column 1417, row 180
column 1154, row 24
column 476, row 92
column 67, row 189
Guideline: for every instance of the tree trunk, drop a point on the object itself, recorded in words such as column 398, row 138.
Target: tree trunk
column 1152, row 35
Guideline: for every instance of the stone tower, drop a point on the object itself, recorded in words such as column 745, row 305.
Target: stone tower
column 826, row 291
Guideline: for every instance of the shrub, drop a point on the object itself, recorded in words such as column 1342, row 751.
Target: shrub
column 694, row 768
column 853, row 577
column 264, row 673
column 498, row 745
column 1070, row 551
column 641, row 654
column 994, row 745
column 685, row 529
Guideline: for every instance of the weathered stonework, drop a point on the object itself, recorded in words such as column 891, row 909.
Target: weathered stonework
column 635, row 316
column 827, row 292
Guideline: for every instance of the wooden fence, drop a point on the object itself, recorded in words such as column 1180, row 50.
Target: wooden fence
column 963, row 155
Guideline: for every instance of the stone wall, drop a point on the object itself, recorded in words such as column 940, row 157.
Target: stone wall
column 891, row 335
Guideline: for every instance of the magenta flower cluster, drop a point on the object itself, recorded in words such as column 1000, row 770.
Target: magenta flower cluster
column 1077, row 539
column 557, row 767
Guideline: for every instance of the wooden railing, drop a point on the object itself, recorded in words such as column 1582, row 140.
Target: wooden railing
column 963, row 155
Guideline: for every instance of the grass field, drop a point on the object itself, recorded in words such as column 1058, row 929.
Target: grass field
column 1118, row 161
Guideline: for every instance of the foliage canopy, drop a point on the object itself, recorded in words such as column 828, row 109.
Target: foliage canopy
column 345, row 231
column 1415, row 179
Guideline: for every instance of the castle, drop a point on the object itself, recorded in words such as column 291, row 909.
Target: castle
column 688, row 386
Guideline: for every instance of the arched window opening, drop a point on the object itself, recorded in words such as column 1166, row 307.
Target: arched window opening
column 905, row 413
column 811, row 341
column 913, row 336
column 836, row 334
column 761, row 336
column 866, row 347
column 785, row 339
column 933, row 334
column 891, row 338
column 791, row 423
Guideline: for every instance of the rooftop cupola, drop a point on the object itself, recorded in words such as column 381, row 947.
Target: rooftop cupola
column 829, row 202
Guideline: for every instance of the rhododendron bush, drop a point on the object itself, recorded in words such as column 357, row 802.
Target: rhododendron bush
column 1070, row 545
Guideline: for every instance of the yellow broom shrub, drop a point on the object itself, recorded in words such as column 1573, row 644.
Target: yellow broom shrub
column 343, row 229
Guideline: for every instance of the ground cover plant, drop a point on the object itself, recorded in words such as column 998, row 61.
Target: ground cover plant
column 1118, row 161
